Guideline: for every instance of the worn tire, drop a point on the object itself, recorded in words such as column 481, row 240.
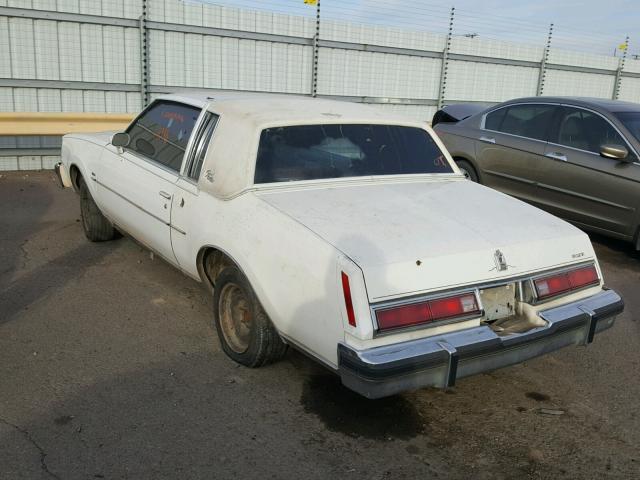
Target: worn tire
column 468, row 170
column 263, row 345
column 96, row 227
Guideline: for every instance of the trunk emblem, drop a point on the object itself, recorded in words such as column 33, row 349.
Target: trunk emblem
column 501, row 262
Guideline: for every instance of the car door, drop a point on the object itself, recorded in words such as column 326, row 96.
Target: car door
column 510, row 145
column 136, row 184
column 580, row 185
column 188, row 211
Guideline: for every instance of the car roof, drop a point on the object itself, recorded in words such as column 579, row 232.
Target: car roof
column 243, row 117
column 601, row 104
column 270, row 108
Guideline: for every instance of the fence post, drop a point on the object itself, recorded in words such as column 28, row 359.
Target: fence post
column 543, row 63
column 144, row 57
column 316, row 48
column 618, row 80
column 445, row 61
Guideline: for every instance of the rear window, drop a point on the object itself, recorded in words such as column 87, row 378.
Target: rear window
column 312, row 152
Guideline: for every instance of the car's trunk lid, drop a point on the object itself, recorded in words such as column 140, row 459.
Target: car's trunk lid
column 415, row 237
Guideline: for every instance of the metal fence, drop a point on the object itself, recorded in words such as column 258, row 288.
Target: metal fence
column 114, row 56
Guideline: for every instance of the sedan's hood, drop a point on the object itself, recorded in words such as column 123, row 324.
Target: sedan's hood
column 414, row 237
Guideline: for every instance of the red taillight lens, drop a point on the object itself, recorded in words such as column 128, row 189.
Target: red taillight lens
column 559, row 283
column 404, row 316
column 346, row 290
column 427, row 312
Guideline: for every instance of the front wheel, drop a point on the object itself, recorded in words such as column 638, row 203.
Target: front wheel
column 467, row 170
column 96, row 226
column 244, row 329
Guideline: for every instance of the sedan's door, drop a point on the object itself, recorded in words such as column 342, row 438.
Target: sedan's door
column 137, row 184
column 578, row 184
column 510, row 145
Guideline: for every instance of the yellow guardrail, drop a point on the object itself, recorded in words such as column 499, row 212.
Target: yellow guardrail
column 28, row 123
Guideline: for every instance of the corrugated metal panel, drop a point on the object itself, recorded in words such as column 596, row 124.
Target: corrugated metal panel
column 51, row 50
column 21, row 53
column 485, row 47
column 632, row 65
column 353, row 73
column 473, row 81
column 560, row 82
column 92, row 49
column 46, row 50
column 630, row 90
column 68, row 44
column 582, row 59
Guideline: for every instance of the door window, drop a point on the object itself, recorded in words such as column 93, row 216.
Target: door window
column 585, row 130
column 529, row 120
column 162, row 132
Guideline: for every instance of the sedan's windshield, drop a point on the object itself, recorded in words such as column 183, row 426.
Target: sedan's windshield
column 310, row 152
column 631, row 120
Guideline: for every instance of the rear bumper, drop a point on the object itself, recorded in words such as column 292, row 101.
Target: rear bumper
column 438, row 361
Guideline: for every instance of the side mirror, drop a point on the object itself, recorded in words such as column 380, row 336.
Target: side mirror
column 616, row 152
column 121, row 140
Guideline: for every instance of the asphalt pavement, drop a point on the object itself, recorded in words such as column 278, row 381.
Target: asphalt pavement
column 110, row 368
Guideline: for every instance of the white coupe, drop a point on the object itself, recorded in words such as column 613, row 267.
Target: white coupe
column 342, row 231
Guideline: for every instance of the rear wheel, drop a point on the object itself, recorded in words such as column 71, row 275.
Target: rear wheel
column 467, row 170
column 96, row 226
column 244, row 329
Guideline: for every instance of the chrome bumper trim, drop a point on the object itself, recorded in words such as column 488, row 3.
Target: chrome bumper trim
column 440, row 360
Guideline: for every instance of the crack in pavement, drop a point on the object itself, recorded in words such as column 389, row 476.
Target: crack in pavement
column 30, row 439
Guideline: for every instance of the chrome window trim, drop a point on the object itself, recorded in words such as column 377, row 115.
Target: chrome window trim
column 201, row 149
column 484, row 118
column 189, row 153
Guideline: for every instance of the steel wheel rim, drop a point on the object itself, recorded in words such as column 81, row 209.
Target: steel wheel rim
column 235, row 317
column 465, row 172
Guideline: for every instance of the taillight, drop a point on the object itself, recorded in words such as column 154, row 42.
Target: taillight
column 564, row 282
column 348, row 303
column 428, row 311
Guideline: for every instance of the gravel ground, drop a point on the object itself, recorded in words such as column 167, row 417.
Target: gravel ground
column 110, row 368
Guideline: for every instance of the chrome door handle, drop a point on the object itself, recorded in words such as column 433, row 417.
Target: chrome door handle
column 556, row 156
column 487, row 139
column 165, row 195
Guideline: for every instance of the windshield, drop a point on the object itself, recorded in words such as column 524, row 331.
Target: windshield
column 311, row 152
column 631, row 120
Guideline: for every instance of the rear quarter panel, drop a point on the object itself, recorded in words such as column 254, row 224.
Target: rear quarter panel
column 460, row 141
column 293, row 272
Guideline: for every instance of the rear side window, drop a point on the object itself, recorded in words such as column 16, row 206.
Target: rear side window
column 200, row 146
column 310, row 152
column 162, row 132
column 531, row 120
column 493, row 120
column 585, row 130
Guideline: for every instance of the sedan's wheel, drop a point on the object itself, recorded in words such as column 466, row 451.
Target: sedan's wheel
column 235, row 317
column 467, row 170
column 96, row 227
column 246, row 333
